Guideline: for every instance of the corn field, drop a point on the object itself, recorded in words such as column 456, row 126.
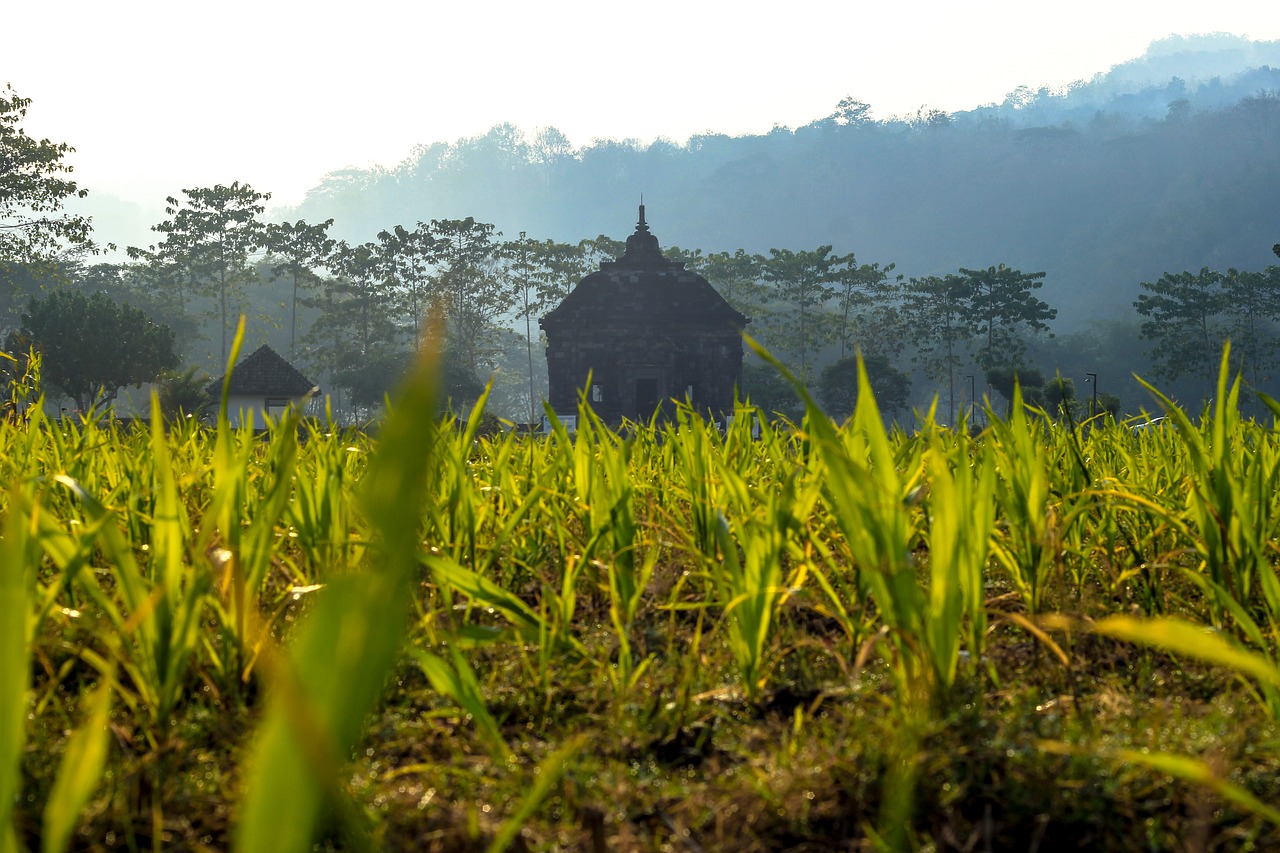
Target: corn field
column 1035, row 635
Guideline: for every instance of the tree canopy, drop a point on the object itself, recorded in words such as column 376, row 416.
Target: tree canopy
column 93, row 346
column 34, row 229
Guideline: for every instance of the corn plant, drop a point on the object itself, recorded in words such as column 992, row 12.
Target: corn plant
column 334, row 672
column 1026, row 549
column 16, row 582
column 1231, row 504
column 961, row 521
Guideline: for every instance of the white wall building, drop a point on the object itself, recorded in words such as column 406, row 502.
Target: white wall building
column 263, row 385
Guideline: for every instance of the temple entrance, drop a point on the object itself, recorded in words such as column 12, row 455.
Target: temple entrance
column 646, row 398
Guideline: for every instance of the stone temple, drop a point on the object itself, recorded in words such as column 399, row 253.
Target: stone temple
column 640, row 332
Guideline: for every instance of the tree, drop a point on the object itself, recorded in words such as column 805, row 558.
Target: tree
column 1029, row 379
column 92, row 346
column 302, row 250
column 869, row 318
column 210, row 236
column 851, row 111
column 764, row 387
column 354, row 338
column 941, row 325
column 1182, row 309
column 473, row 294
column 1059, row 394
column 601, row 248
column 803, row 282
column 185, row 392
column 538, row 273
column 838, row 386
column 1002, row 301
column 1251, row 303
column 736, row 277
column 34, row 229
column 405, row 257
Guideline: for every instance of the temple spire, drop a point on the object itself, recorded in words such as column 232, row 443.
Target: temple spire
column 642, row 247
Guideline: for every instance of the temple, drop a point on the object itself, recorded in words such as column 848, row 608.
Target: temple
column 640, row 332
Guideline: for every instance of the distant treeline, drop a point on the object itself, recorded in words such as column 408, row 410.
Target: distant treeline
column 1103, row 186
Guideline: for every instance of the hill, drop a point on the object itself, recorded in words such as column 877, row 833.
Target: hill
column 1167, row 162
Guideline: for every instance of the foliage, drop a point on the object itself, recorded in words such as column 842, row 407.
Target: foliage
column 838, row 385
column 92, row 346
column 469, row 287
column 1183, row 310
column 847, row 631
column 1001, row 300
column 185, row 392
column 802, row 282
column 34, row 228
column 1005, row 379
column 940, row 327
column 207, row 244
column 304, row 250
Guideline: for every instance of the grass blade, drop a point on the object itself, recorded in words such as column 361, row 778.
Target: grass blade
column 346, row 646
column 80, row 771
column 15, row 675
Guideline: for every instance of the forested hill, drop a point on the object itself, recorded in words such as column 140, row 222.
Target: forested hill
column 1169, row 162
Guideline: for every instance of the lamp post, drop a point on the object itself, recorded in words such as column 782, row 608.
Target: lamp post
column 969, row 376
column 1093, row 404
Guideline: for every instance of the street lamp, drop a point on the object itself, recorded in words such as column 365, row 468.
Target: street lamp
column 1093, row 404
column 969, row 376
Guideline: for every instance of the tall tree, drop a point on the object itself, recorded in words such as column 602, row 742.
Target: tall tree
column 92, row 346
column 34, row 228
column 354, row 340
column 1001, row 298
column 406, row 258
column 736, row 277
column 472, row 291
column 539, row 273
column 1251, row 302
column 866, row 300
column 803, row 282
column 303, row 251
column 940, row 327
column 211, row 235
column 1183, row 326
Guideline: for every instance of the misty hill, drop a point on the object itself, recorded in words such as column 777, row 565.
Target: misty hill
column 1168, row 162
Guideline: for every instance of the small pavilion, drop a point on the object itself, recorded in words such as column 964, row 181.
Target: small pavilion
column 262, row 384
column 640, row 332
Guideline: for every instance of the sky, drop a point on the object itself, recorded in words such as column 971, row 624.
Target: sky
column 161, row 96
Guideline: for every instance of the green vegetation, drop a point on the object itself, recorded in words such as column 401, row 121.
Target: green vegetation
column 826, row 636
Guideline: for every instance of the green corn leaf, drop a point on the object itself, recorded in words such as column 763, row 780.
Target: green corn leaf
column 1198, row 772
column 345, row 648
column 1193, row 641
column 80, row 771
column 549, row 773
column 458, row 682
column 15, row 674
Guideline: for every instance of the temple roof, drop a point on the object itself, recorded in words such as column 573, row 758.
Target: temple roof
column 642, row 250
column 645, row 287
column 264, row 372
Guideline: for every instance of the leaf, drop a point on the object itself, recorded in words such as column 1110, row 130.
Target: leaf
column 548, row 773
column 1193, row 770
column 1193, row 641
column 15, row 674
column 458, row 682
column 80, row 771
column 345, row 648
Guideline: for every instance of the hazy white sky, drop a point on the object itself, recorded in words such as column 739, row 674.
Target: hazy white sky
column 159, row 95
